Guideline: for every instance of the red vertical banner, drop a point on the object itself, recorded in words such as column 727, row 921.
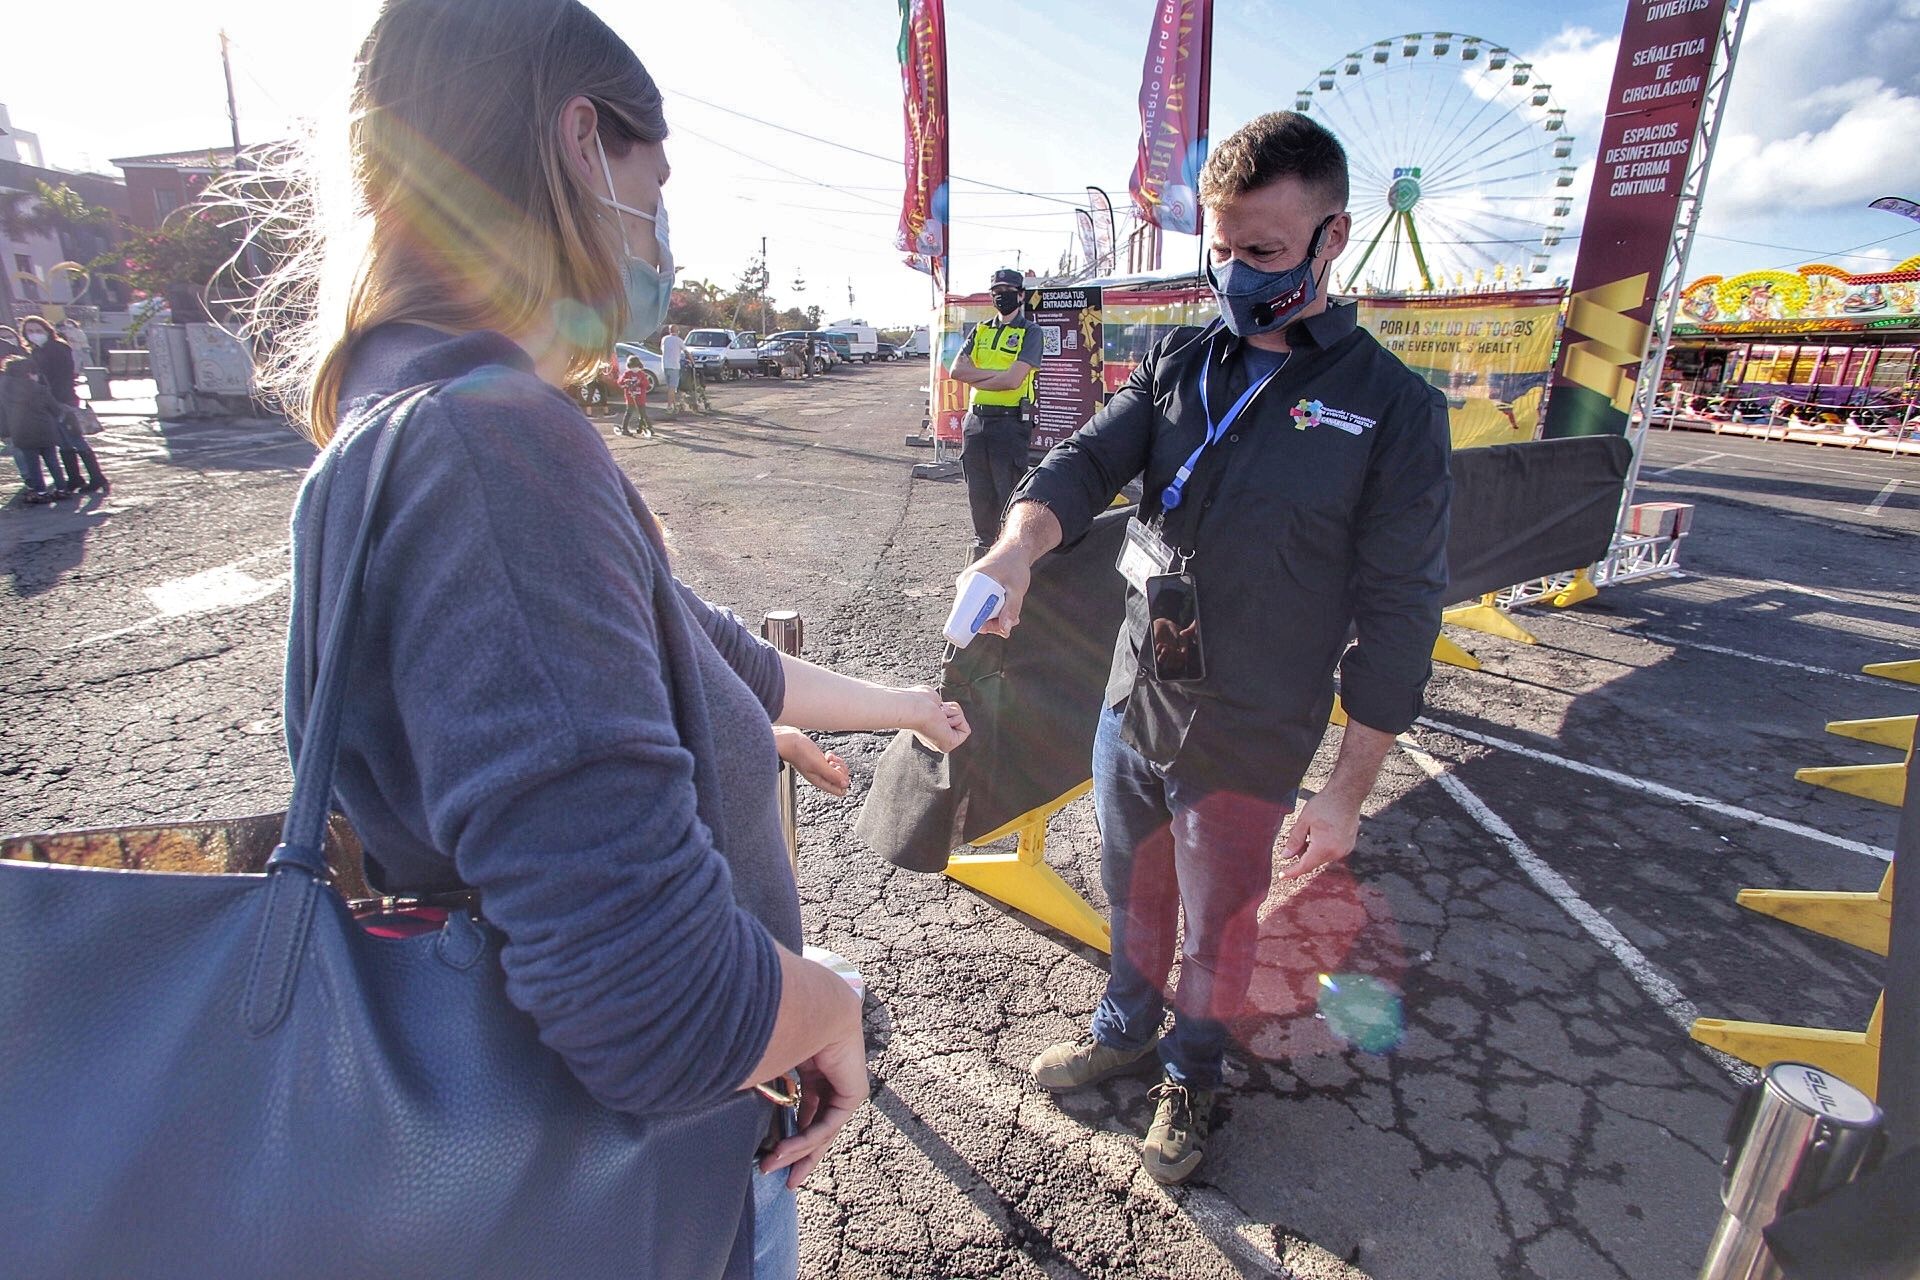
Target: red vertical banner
column 1175, row 81
column 1647, row 147
column 923, row 78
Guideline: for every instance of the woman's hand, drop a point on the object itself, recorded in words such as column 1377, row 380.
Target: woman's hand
column 833, row 1082
column 941, row 726
column 823, row 769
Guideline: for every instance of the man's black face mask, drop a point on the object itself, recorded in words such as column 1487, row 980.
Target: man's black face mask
column 1006, row 303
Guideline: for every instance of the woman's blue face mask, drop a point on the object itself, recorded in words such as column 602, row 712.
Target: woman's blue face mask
column 649, row 288
column 1253, row 301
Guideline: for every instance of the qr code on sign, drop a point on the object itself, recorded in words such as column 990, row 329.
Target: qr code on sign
column 1052, row 344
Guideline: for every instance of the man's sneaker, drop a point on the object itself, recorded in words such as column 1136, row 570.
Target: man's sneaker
column 1177, row 1140
column 1082, row 1062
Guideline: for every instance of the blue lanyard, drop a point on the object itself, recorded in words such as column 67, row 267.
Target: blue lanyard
column 1170, row 498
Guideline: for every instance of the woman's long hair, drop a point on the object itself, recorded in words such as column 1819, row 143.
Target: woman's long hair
column 53, row 334
column 465, row 212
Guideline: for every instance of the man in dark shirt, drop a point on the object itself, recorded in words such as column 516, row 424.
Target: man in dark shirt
column 1295, row 494
column 997, row 359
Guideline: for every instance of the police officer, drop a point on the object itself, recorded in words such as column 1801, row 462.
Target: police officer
column 1295, row 493
column 998, row 360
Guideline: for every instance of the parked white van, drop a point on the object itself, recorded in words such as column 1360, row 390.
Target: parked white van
column 861, row 336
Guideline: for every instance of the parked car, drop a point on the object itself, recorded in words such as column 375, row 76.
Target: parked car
column 601, row 392
column 824, row 355
column 780, row 356
column 842, row 344
column 723, row 353
column 886, row 351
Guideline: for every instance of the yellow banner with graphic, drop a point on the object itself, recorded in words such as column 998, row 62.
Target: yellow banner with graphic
column 1490, row 354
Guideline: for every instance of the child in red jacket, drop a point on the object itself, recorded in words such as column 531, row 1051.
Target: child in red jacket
column 635, row 382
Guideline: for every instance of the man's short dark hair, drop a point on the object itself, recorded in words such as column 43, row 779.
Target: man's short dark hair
column 1279, row 144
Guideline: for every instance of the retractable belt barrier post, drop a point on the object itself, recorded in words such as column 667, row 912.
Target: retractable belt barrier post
column 1797, row 1134
column 784, row 630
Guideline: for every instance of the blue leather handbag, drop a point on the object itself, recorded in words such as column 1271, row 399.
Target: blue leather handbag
column 225, row 1076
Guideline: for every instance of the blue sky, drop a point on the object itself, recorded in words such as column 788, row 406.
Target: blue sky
column 1825, row 108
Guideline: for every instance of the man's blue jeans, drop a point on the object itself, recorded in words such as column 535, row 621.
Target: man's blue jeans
column 1167, row 843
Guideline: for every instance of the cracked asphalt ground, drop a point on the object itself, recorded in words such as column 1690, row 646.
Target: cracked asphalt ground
column 1495, row 1084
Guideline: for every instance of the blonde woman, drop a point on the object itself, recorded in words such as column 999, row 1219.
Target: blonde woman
column 541, row 712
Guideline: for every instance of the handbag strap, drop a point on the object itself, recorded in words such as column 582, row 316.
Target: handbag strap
column 303, row 835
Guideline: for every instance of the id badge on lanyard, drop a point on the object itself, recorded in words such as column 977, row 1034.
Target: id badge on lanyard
column 1144, row 554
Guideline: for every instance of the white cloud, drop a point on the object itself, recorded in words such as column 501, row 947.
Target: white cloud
column 1578, row 63
column 1860, row 150
column 1822, row 115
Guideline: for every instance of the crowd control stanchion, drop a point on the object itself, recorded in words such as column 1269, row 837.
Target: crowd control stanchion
column 1797, row 1134
column 783, row 629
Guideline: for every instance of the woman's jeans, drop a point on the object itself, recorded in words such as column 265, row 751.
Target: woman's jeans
column 1168, row 843
column 77, row 454
column 30, row 461
column 776, row 1227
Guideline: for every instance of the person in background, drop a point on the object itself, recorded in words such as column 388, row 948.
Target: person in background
column 540, row 712
column 635, row 382
column 76, row 337
column 53, row 361
column 672, row 348
column 998, row 359
column 693, row 383
column 10, row 342
column 30, row 427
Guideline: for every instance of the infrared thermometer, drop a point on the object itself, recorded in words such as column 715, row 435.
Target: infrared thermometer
column 977, row 601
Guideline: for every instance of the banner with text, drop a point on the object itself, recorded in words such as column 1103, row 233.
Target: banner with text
column 1072, row 379
column 1647, row 143
column 1491, row 354
column 1175, row 81
column 923, row 77
column 958, row 315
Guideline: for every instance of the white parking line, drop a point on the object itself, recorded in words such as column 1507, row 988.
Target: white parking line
column 223, row 587
column 1734, row 811
column 1691, row 462
column 1873, row 508
column 1659, row 988
column 1678, row 643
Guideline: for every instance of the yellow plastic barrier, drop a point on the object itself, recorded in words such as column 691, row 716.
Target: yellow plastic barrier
column 1023, row 880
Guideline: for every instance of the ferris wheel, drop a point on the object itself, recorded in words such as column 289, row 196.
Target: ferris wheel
column 1460, row 163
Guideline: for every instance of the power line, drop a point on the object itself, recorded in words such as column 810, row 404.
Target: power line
column 858, row 151
column 972, row 195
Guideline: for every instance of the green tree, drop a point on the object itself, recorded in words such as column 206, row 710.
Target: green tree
column 178, row 261
column 750, row 297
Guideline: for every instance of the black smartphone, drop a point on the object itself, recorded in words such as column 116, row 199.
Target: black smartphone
column 1173, row 628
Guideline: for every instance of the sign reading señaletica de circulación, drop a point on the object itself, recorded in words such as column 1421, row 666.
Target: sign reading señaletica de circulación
column 1646, row 148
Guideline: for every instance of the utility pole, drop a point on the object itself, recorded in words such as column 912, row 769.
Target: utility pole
column 233, row 113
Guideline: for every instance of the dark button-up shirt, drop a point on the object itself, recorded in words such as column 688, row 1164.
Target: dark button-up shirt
column 1321, row 515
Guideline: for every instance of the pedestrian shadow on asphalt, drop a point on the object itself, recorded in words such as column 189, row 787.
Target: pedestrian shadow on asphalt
column 190, row 447
column 41, row 545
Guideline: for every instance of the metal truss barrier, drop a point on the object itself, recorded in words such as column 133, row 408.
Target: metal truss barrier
column 1628, row 559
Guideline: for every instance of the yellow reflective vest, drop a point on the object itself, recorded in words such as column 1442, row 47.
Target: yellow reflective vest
column 996, row 347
